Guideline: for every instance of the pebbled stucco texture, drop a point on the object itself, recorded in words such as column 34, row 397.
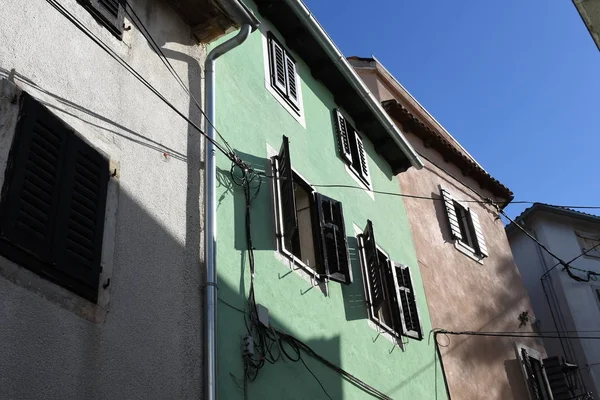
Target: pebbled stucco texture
column 336, row 326
column 148, row 345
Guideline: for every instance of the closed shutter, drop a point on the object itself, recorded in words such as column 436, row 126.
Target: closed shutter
column 333, row 244
column 406, row 302
column 557, row 378
column 480, row 242
column 292, row 81
column 285, row 175
column 278, row 67
column 364, row 165
column 78, row 244
column 30, row 196
column 373, row 268
column 110, row 12
column 451, row 214
column 343, row 135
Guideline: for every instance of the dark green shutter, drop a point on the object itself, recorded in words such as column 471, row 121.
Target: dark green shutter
column 532, row 382
column 287, row 198
column 343, row 136
column 406, row 303
column 373, row 268
column 331, row 239
column 30, row 196
column 559, row 384
column 110, row 13
column 81, row 221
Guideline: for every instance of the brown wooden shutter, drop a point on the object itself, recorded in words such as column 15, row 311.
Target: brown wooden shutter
column 30, row 195
column 78, row 244
column 285, row 175
column 451, row 214
column 343, row 136
column 373, row 268
column 480, row 245
column 332, row 241
column 406, row 301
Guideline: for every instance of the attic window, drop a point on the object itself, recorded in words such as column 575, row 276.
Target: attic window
column 53, row 202
column 109, row 13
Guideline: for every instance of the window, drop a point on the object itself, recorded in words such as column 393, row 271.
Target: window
column 464, row 226
column 352, row 149
column 109, row 13
column 53, row 202
column 389, row 289
column 310, row 226
column 283, row 73
column 534, row 373
column 589, row 243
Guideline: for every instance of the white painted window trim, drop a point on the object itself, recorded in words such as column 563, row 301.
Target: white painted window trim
column 281, row 253
column 298, row 115
column 594, row 254
column 373, row 320
column 354, row 175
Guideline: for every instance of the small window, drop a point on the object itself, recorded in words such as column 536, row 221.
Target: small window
column 109, row 13
column 589, row 243
column 310, row 226
column 53, row 202
column 389, row 289
column 464, row 226
column 284, row 73
column 352, row 149
column 534, row 373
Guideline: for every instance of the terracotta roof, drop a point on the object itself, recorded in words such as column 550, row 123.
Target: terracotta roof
column 450, row 153
column 539, row 207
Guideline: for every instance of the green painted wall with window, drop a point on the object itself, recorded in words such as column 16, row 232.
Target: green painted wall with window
column 332, row 319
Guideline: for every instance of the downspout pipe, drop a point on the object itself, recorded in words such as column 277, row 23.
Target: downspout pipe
column 248, row 23
column 311, row 23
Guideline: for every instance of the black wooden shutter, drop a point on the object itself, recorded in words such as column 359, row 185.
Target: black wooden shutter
column 110, row 13
column 451, row 214
column 285, row 176
column 530, row 377
column 363, row 166
column 407, row 305
column 331, row 234
column 30, row 196
column 559, row 385
column 78, row 243
column 292, row 81
column 373, row 268
column 278, row 67
column 343, row 136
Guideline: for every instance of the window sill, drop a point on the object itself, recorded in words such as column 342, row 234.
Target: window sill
column 468, row 251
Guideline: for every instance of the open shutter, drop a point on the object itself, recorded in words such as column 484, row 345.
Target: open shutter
column 555, row 371
column 333, row 244
column 278, row 67
column 480, row 245
column 373, row 268
column 285, row 175
column 530, row 377
column 343, row 137
column 30, row 195
column 364, row 165
column 78, row 243
column 406, row 302
column 292, row 81
column 451, row 214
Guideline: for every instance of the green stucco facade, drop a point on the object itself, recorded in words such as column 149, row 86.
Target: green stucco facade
column 337, row 325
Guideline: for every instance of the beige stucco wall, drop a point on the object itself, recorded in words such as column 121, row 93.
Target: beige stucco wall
column 462, row 294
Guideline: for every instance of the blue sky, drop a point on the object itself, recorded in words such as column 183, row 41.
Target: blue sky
column 516, row 82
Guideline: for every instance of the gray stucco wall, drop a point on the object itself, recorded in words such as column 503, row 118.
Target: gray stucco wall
column 575, row 302
column 146, row 342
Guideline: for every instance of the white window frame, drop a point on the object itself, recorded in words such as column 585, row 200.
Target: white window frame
column 297, row 114
column 581, row 235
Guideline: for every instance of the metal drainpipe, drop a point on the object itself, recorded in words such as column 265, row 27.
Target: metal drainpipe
column 210, row 214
